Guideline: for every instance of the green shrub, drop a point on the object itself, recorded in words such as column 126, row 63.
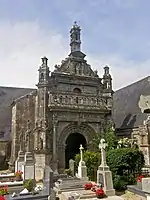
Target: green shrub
column 119, row 182
column 125, row 164
column 68, row 172
column 92, row 160
column 125, row 161
column 29, row 185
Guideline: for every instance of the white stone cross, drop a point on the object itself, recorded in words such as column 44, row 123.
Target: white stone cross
column 102, row 147
column 81, row 152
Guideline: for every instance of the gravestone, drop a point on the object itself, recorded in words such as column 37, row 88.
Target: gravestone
column 28, row 168
column 48, row 177
column 72, row 166
column 82, row 170
column 146, row 185
column 104, row 175
column 20, row 161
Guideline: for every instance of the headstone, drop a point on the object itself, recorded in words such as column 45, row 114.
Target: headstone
column 104, row 175
column 72, row 166
column 20, row 161
column 28, row 168
column 82, row 170
column 146, row 184
column 48, row 178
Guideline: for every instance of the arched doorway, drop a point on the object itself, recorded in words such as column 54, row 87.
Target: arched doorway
column 73, row 142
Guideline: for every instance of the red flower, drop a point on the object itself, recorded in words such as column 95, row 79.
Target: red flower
column 2, row 198
column 18, row 173
column 100, row 193
column 88, row 186
column 139, row 178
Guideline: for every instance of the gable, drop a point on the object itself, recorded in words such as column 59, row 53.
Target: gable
column 129, row 104
column 7, row 96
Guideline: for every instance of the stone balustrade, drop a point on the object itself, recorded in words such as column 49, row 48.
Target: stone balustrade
column 77, row 100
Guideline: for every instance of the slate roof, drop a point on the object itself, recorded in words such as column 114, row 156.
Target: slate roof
column 126, row 111
column 7, row 95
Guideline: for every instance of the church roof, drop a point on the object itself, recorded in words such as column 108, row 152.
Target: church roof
column 129, row 104
column 7, row 96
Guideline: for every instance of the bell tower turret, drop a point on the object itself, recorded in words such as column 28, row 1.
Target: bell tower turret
column 107, row 80
column 75, row 42
column 43, row 72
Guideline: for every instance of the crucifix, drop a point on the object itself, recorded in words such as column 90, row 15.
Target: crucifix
column 102, row 147
column 81, row 152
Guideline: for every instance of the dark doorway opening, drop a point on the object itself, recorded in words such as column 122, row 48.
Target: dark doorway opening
column 72, row 146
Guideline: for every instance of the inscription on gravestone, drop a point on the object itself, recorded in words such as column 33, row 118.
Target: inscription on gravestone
column 101, row 180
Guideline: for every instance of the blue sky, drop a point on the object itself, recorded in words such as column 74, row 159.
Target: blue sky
column 114, row 32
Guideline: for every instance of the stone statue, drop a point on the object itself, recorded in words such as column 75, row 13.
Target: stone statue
column 27, row 142
column 102, row 147
column 21, row 141
column 41, row 144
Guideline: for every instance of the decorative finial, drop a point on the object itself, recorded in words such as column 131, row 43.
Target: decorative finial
column 44, row 61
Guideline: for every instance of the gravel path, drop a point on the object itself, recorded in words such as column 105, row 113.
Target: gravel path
column 132, row 196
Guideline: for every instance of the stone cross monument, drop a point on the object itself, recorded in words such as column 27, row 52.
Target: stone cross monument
column 82, row 170
column 104, row 175
column 20, row 159
column 28, row 167
column 81, row 152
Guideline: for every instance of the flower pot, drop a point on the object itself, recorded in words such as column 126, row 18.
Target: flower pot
column 139, row 185
column 100, row 197
column 18, row 178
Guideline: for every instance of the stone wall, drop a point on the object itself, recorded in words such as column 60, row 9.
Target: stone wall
column 3, row 154
column 23, row 118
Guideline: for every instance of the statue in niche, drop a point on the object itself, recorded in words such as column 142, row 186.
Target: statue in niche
column 78, row 68
column 40, row 143
column 21, row 141
column 27, row 141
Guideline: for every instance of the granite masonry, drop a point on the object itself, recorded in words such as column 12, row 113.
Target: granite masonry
column 69, row 107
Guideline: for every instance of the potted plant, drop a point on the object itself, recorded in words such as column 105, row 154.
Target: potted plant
column 88, row 186
column 100, row 193
column 18, row 175
column 3, row 191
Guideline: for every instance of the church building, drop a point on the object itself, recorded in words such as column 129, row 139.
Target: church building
column 69, row 107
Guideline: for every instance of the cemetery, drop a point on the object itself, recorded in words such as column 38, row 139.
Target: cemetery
column 79, row 182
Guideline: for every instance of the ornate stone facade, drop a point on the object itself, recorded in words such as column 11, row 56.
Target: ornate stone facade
column 71, row 99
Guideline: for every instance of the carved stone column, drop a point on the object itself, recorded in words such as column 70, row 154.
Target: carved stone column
column 54, row 157
column 61, row 157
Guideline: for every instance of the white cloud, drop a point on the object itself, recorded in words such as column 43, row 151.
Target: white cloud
column 24, row 43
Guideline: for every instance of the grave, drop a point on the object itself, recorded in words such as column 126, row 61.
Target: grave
column 72, row 166
column 28, row 167
column 82, row 170
column 20, row 161
column 104, row 175
column 42, row 195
